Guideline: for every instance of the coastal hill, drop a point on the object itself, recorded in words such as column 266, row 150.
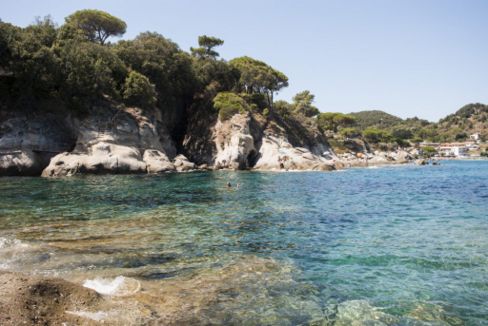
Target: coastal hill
column 470, row 119
column 72, row 101
column 375, row 118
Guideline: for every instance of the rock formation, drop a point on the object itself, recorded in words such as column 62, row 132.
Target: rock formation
column 277, row 153
column 27, row 142
column 119, row 140
column 115, row 140
column 234, row 143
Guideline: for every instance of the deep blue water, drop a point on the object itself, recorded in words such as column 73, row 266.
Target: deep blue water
column 410, row 240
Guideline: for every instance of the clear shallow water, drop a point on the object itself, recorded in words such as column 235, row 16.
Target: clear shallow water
column 282, row 249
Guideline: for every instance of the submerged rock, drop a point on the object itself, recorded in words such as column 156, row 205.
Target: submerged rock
column 32, row 300
column 362, row 313
column 29, row 300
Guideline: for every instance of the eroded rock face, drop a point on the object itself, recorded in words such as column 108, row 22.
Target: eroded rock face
column 248, row 141
column 276, row 153
column 27, row 142
column 116, row 141
column 234, row 143
column 111, row 139
column 103, row 158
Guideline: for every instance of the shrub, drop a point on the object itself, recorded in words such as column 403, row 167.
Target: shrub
column 89, row 71
column 428, row 151
column 350, row 132
column 139, row 91
column 461, row 136
column 402, row 134
column 334, row 120
column 283, row 108
column 374, row 135
column 228, row 104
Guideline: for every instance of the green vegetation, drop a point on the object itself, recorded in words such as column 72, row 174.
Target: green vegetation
column 257, row 77
column 428, row 151
column 228, row 104
column 375, row 118
column 456, row 127
column 467, row 120
column 375, row 135
column 302, row 103
column 97, row 25
column 139, row 91
column 73, row 67
column 207, row 45
column 350, row 132
column 333, row 121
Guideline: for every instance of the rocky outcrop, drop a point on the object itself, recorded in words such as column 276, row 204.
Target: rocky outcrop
column 114, row 140
column 31, row 300
column 277, row 153
column 118, row 140
column 157, row 161
column 28, row 141
column 182, row 164
column 249, row 141
column 421, row 161
column 351, row 159
column 234, row 143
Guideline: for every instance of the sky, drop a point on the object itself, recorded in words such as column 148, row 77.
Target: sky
column 424, row 58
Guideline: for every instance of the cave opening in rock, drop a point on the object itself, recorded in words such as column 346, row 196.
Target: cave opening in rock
column 252, row 158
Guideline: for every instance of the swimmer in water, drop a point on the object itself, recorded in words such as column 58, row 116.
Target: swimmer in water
column 229, row 185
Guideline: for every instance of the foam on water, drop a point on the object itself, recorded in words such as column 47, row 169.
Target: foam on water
column 118, row 286
column 9, row 247
column 96, row 316
column 11, row 243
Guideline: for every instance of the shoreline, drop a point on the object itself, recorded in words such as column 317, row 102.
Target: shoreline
column 356, row 165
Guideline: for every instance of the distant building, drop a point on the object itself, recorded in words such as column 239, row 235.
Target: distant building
column 454, row 149
column 424, row 144
column 475, row 137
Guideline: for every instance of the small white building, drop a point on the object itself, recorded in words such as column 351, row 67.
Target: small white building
column 453, row 150
column 475, row 137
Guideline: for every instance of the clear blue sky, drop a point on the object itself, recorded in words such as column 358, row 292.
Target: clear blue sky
column 422, row 58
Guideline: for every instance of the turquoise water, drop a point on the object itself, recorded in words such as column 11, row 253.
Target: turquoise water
column 410, row 241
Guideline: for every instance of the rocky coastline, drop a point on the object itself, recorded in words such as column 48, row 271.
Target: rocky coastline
column 120, row 140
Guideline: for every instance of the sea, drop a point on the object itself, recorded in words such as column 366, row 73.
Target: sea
column 392, row 245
